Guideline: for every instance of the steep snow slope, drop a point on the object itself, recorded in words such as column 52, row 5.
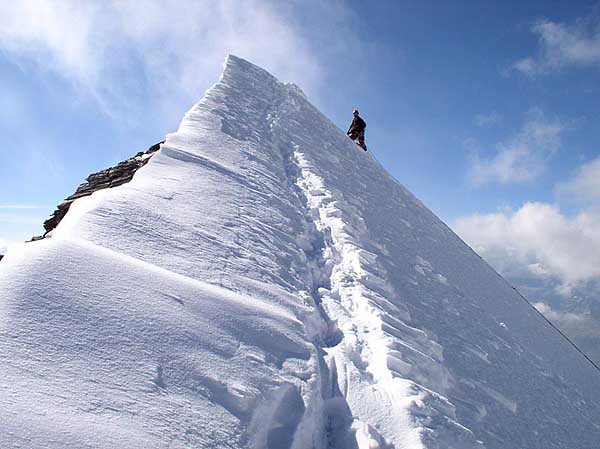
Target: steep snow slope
column 263, row 283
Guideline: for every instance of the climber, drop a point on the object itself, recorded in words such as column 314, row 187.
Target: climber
column 357, row 130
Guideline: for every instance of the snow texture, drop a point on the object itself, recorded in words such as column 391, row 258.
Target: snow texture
column 264, row 283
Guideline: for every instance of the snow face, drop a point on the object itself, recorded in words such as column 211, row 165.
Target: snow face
column 264, row 283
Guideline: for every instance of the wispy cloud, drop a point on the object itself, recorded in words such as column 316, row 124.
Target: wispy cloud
column 585, row 185
column 562, row 45
column 163, row 49
column 487, row 120
column 522, row 157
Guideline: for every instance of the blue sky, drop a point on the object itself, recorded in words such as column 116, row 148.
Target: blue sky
column 480, row 108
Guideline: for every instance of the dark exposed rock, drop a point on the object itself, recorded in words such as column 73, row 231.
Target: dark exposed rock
column 35, row 238
column 109, row 177
column 1, row 256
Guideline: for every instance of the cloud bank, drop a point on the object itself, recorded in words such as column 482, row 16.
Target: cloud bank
column 537, row 241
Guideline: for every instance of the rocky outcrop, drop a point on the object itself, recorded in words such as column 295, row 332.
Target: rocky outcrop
column 110, row 177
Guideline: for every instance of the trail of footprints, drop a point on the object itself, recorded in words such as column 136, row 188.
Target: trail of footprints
column 381, row 371
column 393, row 360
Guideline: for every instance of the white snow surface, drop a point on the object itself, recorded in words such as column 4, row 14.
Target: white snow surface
column 264, row 283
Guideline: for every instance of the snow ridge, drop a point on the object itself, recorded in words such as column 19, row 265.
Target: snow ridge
column 261, row 283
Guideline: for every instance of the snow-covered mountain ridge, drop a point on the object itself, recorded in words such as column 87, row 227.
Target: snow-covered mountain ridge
column 263, row 283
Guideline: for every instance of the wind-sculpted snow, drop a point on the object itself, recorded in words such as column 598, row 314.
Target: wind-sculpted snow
column 263, row 283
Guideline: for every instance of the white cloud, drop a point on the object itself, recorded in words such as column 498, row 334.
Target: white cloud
column 164, row 50
column 585, row 185
column 488, row 120
column 537, row 240
column 559, row 317
column 522, row 157
column 583, row 328
column 562, row 45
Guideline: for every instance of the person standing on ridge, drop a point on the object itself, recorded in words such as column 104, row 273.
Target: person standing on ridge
column 357, row 130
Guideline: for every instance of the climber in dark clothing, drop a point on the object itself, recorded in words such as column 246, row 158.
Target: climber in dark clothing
column 357, row 130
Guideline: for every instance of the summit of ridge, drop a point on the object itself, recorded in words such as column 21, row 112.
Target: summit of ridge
column 239, row 69
column 244, row 74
